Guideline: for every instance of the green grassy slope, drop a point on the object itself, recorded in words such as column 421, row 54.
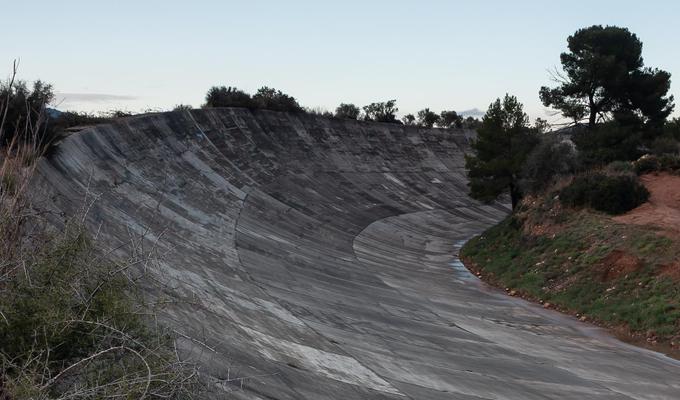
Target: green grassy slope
column 581, row 262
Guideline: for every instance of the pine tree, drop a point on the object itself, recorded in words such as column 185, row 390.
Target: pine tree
column 503, row 142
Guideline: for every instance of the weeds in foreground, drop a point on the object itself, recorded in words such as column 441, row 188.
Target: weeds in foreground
column 73, row 323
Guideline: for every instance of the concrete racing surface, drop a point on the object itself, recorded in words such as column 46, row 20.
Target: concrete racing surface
column 312, row 258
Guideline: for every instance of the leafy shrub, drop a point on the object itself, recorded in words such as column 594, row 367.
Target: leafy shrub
column 664, row 145
column 672, row 128
column 611, row 194
column 408, row 119
column 551, row 159
column 271, row 99
column 72, row 327
column 23, row 106
column 347, row 111
column 450, row 119
column 471, row 123
column 669, row 162
column 620, row 167
column 319, row 111
column 222, row 96
column 646, row 164
column 651, row 163
column 266, row 98
column 381, row 112
column 427, row 118
column 608, row 142
column 182, row 107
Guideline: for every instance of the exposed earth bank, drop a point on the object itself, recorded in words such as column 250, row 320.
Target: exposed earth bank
column 622, row 273
column 663, row 208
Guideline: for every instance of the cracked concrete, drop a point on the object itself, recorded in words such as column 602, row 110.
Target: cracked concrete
column 315, row 259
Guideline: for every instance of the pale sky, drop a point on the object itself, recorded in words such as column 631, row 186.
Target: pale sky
column 148, row 54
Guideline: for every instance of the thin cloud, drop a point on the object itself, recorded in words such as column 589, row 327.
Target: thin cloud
column 474, row 112
column 92, row 97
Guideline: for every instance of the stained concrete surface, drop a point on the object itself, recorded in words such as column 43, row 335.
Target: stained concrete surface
column 311, row 258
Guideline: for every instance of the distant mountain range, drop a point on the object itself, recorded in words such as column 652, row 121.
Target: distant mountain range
column 473, row 112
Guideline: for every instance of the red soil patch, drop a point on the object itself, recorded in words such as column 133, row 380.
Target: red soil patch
column 616, row 264
column 663, row 208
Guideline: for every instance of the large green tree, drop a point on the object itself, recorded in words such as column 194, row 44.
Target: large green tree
column 604, row 77
column 503, row 142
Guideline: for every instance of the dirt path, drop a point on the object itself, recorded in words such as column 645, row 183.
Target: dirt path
column 663, row 208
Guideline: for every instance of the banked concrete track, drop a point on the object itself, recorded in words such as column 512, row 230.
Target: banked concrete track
column 316, row 258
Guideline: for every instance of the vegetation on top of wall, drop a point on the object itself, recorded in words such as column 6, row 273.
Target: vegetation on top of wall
column 265, row 98
column 381, row 111
column 347, row 111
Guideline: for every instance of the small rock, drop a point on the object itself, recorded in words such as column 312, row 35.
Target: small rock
column 513, row 292
column 583, row 318
column 547, row 305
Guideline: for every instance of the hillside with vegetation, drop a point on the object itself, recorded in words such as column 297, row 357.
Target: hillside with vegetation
column 599, row 268
column 594, row 228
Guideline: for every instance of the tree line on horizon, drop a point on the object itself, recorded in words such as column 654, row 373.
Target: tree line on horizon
column 271, row 99
column 28, row 106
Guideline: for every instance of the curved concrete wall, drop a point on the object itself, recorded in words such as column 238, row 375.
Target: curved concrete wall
column 314, row 258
